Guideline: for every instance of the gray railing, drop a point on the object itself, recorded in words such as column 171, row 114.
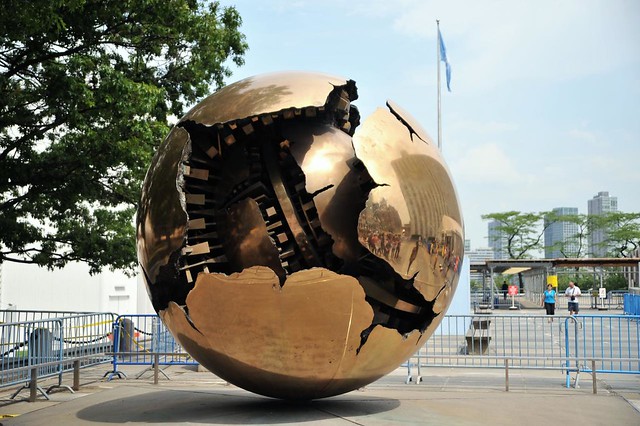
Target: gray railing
column 534, row 342
column 53, row 344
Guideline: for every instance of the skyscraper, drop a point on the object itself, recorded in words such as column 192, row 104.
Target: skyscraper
column 561, row 239
column 497, row 240
column 600, row 204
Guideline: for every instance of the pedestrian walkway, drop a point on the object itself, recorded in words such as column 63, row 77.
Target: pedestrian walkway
column 446, row 397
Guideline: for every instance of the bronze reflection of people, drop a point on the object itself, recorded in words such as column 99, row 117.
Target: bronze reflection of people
column 414, row 254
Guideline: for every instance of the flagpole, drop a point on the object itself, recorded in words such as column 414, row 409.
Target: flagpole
column 439, row 115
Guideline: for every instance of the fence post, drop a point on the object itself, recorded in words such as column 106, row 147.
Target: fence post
column 593, row 376
column 506, row 374
column 33, row 384
column 156, row 360
column 76, row 375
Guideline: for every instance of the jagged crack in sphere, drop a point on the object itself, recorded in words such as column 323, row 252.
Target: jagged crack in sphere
column 292, row 250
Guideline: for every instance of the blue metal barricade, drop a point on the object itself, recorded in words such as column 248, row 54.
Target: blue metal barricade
column 138, row 337
column 631, row 304
column 27, row 344
column 85, row 335
column 534, row 342
column 488, row 337
column 613, row 341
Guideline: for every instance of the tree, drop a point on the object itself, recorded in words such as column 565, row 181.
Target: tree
column 86, row 89
column 574, row 245
column 521, row 231
column 622, row 230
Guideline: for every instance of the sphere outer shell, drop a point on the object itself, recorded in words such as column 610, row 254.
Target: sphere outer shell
column 417, row 187
column 161, row 218
column 320, row 331
column 264, row 94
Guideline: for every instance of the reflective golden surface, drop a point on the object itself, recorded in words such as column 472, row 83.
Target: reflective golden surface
column 289, row 255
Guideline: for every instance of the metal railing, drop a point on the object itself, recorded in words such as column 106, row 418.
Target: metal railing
column 613, row 301
column 11, row 315
column 138, row 337
column 534, row 342
column 632, row 304
column 26, row 344
column 53, row 342
column 32, row 373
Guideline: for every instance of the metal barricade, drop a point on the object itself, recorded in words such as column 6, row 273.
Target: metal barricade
column 585, row 300
column 632, row 304
column 85, row 336
column 532, row 336
column 138, row 337
column 28, row 344
column 614, row 338
column 13, row 315
column 533, row 342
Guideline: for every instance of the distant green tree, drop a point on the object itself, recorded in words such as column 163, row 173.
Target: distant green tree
column 584, row 280
column 476, row 285
column 616, row 281
column 574, row 245
column 622, row 231
column 522, row 231
column 86, row 90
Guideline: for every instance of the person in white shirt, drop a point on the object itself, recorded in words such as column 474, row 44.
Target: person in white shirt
column 572, row 292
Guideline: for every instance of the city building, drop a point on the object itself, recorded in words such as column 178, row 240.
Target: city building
column 561, row 239
column 479, row 255
column 497, row 240
column 601, row 203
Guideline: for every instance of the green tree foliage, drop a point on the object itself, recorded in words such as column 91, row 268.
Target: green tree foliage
column 575, row 245
column 622, row 232
column 522, row 231
column 616, row 281
column 588, row 280
column 86, row 89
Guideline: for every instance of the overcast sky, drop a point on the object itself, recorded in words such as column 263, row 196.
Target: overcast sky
column 545, row 104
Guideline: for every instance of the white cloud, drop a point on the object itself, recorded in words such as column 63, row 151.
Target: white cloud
column 582, row 135
column 484, row 127
column 486, row 164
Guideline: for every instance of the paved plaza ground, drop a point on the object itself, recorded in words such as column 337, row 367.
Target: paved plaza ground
column 447, row 396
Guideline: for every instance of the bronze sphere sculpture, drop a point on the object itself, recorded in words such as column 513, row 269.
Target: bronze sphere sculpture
column 292, row 250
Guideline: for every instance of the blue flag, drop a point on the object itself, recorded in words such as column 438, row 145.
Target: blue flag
column 443, row 58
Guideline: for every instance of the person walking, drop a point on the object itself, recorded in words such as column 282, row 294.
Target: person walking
column 550, row 301
column 572, row 292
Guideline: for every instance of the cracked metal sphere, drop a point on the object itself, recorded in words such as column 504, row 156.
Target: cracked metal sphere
column 292, row 250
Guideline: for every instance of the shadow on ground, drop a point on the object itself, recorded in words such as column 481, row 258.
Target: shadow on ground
column 227, row 408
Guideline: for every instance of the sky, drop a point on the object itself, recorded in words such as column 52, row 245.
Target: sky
column 544, row 108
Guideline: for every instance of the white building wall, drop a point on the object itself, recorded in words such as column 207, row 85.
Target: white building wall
column 29, row 287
